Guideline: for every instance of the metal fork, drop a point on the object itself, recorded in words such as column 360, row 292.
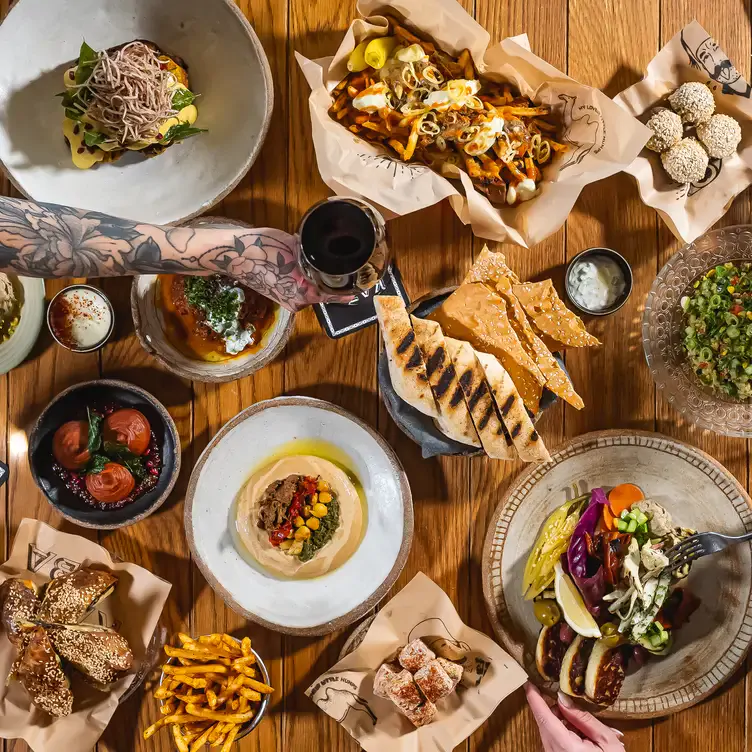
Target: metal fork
column 699, row 545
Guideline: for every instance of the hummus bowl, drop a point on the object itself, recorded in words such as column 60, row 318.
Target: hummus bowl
column 350, row 573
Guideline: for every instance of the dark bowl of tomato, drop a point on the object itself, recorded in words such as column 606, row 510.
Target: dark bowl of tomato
column 105, row 453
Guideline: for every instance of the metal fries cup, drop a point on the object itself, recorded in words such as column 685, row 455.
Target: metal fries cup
column 245, row 728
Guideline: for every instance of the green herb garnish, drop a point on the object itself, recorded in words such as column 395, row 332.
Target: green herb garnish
column 219, row 302
column 182, row 98
column 95, row 431
column 96, row 464
column 87, row 59
column 319, row 538
column 124, row 456
column 180, row 132
column 92, row 138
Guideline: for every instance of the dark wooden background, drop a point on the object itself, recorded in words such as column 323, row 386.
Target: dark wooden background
column 604, row 43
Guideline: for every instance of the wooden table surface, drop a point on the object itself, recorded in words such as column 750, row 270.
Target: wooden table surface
column 604, row 43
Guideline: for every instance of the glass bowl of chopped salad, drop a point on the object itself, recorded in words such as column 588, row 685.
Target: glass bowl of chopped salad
column 697, row 331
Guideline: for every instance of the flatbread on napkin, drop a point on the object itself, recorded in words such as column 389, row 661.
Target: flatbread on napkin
column 526, row 439
column 494, row 438
column 551, row 317
column 477, row 315
column 454, row 420
column 406, row 366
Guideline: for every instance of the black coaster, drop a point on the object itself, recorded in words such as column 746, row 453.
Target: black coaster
column 340, row 319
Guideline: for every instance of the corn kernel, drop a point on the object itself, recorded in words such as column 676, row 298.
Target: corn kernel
column 323, row 485
column 285, row 545
column 749, row 314
column 723, row 352
column 313, row 523
column 711, row 273
column 290, row 534
column 302, row 533
column 319, row 510
column 314, row 499
column 325, row 497
column 731, row 289
column 296, row 547
column 307, row 510
column 299, row 521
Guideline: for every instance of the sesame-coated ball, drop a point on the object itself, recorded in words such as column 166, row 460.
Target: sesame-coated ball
column 693, row 101
column 667, row 129
column 686, row 162
column 720, row 135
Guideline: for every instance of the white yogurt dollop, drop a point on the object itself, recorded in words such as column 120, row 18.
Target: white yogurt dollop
column 596, row 283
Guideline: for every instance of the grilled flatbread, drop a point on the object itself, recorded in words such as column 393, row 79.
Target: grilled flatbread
column 556, row 323
column 407, row 368
column 454, row 420
column 496, row 443
column 526, row 440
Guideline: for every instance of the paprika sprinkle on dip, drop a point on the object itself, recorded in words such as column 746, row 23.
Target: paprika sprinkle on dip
column 80, row 318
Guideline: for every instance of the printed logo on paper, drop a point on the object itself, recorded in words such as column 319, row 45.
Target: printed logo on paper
column 584, row 131
column 37, row 560
column 392, row 164
column 708, row 56
column 339, row 698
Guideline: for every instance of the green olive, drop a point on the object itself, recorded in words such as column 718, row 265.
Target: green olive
column 608, row 629
column 613, row 641
column 547, row 612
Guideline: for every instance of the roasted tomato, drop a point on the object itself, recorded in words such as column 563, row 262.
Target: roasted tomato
column 128, row 427
column 69, row 445
column 113, row 484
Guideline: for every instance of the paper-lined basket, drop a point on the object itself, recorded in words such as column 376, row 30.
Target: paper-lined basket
column 421, row 610
column 691, row 209
column 41, row 553
column 601, row 137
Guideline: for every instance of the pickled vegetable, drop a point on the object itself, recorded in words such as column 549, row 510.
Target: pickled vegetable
column 547, row 612
column 357, row 61
column 378, row 51
column 552, row 542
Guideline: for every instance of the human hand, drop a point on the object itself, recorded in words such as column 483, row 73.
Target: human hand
column 589, row 734
column 266, row 260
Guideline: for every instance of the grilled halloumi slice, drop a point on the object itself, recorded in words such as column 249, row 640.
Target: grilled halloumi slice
column 549, row 652
column 574, row 666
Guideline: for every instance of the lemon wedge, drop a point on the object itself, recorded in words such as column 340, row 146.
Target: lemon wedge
column 572, row 606
column 378, row 50
column 357, row 61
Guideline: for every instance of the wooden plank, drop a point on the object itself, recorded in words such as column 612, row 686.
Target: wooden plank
column 610, row 45
column 512, row 725
column 720, row 720
column 259, row 200
column 341, row 371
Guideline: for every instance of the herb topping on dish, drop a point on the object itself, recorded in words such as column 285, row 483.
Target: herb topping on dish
column 718, row 329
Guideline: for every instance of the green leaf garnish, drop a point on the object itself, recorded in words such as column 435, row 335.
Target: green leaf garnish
column 95, row 431
column 180, row 132
column 96, row 464
column 92, row 138
column 124, row 456
column 182, row 98
column 87, row 59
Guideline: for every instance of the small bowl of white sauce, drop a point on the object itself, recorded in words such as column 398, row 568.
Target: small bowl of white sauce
column 80, row 318
column 598, row 281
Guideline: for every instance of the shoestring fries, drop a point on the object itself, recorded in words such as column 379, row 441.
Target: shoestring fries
column 425, row 105
column 210, row 689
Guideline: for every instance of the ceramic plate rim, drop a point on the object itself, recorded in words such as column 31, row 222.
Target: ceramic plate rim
column 591, row 441
column 35, row 307
column 408, row 519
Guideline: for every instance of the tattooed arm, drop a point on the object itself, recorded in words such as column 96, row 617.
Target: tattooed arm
column 47, row 240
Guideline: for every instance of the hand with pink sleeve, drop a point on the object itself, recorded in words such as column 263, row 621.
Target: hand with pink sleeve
column 569, row 729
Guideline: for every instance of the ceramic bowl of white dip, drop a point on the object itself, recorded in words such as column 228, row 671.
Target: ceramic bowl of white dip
column 598, row 281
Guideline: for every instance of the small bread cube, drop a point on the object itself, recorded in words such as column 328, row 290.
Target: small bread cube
column 404, row 692
column 454, row 670
column 416, row 655
column 434, row 682
column 384, row 678
column 423, row 714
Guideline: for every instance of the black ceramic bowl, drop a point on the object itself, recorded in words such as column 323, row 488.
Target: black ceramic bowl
column 71, row 404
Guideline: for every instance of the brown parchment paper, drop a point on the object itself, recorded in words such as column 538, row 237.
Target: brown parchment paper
column 41, row 553
column 691, row 209
column 603, row 139
column 421, row 609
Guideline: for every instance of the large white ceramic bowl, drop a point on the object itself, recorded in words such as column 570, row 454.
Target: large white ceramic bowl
column 699, row 493
column 226, row 65
column 302, row 607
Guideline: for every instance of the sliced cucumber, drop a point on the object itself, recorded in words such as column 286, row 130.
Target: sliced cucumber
column 632, row 526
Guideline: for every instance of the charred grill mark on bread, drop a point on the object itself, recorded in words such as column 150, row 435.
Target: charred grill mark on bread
column 435, row 361
column 457, row 397
column 445, row 381
column 407, row 340
column 415, row 360
column 508, row 405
